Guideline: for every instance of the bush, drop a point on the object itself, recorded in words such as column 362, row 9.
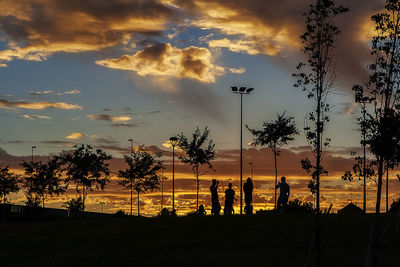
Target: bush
column 120, row 213
column 32, row 200
column 74, row 205
column 395, row 205
column 297, row 206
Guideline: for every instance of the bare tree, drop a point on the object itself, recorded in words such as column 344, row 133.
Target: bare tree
column 197, row 153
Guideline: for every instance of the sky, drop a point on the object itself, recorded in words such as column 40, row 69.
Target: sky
column 101, row 72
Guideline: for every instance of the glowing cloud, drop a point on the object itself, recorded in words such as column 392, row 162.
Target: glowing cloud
column 72, row 92
column 33, row 117
column 74, row 136
column 106, row 117
column 37, row 105
column 168, row 61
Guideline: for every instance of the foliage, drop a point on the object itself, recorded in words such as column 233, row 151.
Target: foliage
column 275, row 133
column 383, row 88
column 316, row 77
column 120, row 213
column 43, row 179
column 394, row 207
column 32, row 200
column 75, row 205
column 358, row 172
column 196, row 153
column 297, row 206
column 141, row 176
column 8, row 183
column 87, row 168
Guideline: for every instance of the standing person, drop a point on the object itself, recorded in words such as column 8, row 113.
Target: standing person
column 229, row 199
column 215, row 206
column 248, row 196
column 284, row 193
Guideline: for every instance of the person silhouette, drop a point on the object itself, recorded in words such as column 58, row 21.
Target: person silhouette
column 229, row 199
column 284, row 193
column 201, row 211
column 248, row 196
column 215, row 206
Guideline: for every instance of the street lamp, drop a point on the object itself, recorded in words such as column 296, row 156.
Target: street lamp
column 33, row 147
column 131, row 140
column 173, row 141
column 241, row 91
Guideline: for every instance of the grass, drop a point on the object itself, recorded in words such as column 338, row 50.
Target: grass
column 270, row 240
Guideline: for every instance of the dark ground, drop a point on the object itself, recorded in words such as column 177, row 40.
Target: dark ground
column 269, row 240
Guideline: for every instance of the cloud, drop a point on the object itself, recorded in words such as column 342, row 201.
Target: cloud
column 45, row 92
column 153, row 112
column 106, row 117
column 36, row 29
column 37, row 105
column 239, row 46
column 348, row 108
column 240, row 70
column 74, row 136
column 129, row 125
column 72, row 92
column 164, row 60
column 32, row 117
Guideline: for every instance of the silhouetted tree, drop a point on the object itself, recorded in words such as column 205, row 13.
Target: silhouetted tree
column 87, row 168
column 43, row 179
column 197, row 153
column 8, row 184
column 316, row 77
column 275, row 134
column 75, row 205
column 383, row 122
column 141, row 176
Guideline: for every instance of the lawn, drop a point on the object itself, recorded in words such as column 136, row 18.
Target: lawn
column 268, row 240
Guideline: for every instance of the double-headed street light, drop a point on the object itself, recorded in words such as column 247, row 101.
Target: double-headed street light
column 242, row 91
column 173, row 141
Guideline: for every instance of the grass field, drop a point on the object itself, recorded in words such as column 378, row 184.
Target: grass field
column 269, row 240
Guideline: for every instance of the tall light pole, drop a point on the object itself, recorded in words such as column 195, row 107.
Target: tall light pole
column 33, row 147
column 173, row 141
column 241, row 91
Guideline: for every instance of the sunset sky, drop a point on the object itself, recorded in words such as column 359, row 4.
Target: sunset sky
column 103, row 71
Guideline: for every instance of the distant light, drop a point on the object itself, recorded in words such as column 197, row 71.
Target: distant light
column 242, row 89
column 249, row 90
column 234, row 89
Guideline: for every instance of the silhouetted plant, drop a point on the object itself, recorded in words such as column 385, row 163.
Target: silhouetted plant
column 141, row 176
column 87, row 168
column 197, row 153
column 316, row 77
column 297, row 206
column 75, row 205
column 43, row 179
column 8, row 183
column 120, row 213
column 275, row 134
column 394, row 207
column 32, row 200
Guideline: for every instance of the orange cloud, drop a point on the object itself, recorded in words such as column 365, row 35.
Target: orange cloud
column 74, row 136
column 164, row 60
column 106, row 117
column 37, row 105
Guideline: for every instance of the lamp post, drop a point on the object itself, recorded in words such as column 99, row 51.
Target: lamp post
column 33, row 147
column 131, row 140
column 241, row 91
column 173, row 141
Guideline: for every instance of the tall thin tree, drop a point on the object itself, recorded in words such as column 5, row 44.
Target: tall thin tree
column 316, row 77
column 275, row 134
column 197, row 153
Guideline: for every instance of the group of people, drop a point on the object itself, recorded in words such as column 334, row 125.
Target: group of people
column 248, row 197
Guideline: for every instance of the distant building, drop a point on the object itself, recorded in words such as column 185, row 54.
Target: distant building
column 351, row 208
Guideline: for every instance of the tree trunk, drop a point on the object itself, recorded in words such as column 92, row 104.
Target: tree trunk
column 43, row 201
column 4, row 209
column 372, row 259
column 276, row 174
column 131, row 197
column 379, row 186
column 83, row 197
column 197, row 188
column 138, row 204
column 387, row 188
column 318, row 171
